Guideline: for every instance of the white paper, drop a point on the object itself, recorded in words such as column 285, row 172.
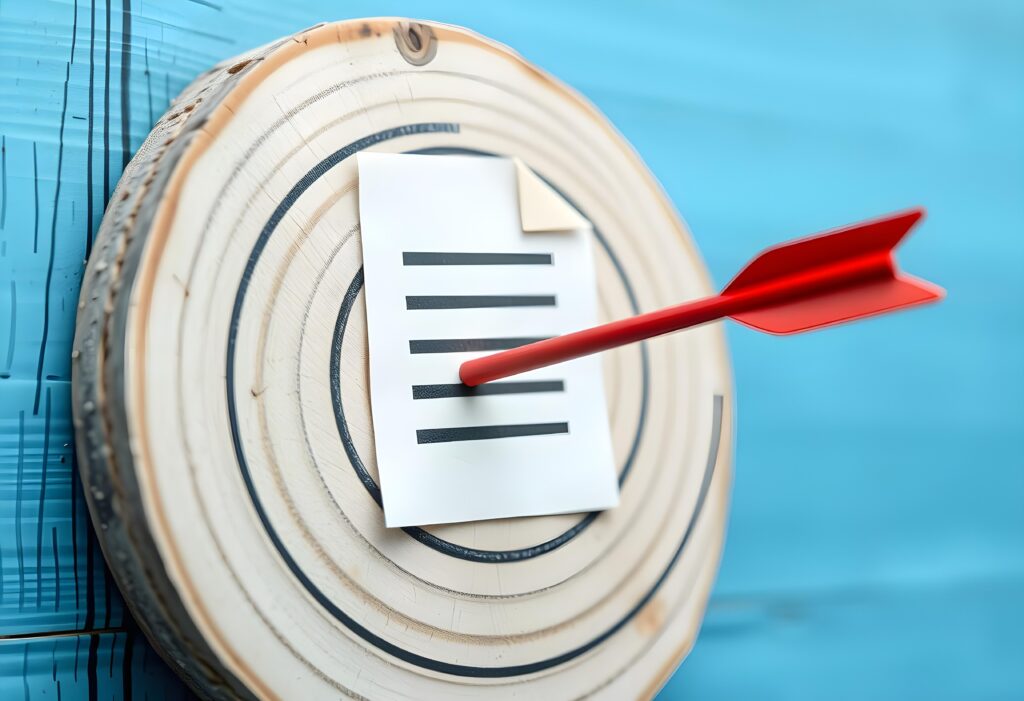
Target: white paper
column 435, row 464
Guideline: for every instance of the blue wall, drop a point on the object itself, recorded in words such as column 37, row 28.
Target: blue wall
column 876, row 540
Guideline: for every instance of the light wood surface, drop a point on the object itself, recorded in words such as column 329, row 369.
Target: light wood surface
column 223, row 419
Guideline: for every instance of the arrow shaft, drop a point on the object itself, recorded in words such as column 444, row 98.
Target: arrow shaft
column 592, row 340
column 789, row 288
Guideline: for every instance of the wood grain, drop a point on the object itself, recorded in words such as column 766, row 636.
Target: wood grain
column 220, row 390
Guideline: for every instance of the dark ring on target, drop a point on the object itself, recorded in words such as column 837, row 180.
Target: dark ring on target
column 420, row 534
column 369, row 636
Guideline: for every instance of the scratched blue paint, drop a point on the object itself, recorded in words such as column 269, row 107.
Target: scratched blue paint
column 876, row 543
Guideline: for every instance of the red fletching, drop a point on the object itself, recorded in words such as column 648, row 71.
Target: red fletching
column 839, row 306
column 832, row 278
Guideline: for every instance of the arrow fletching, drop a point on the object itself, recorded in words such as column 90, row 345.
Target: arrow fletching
column 830, row 278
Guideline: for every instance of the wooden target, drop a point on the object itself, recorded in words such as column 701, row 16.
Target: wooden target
column 223, row 418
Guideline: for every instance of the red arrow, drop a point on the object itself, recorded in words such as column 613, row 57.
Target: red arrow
column 805, row 284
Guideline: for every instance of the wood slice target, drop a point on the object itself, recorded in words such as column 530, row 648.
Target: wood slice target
column 223, row 417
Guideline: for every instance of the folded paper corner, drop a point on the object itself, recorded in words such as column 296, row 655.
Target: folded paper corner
column 541, row 207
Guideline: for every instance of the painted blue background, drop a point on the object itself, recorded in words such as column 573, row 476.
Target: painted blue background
column 876, row 540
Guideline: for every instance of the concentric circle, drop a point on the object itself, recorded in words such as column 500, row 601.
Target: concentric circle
column 224, row 415
column 424, row 536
